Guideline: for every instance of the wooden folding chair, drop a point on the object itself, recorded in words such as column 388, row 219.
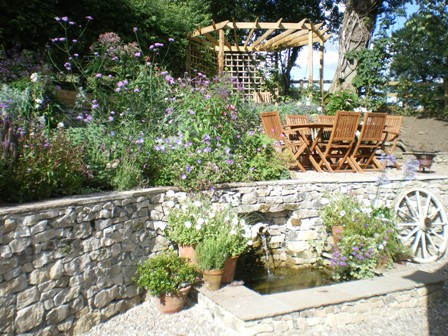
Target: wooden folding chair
column 327, row 119
column 335, row 151
column 391, row 135
column 368, row 142
column 292, row 119
column 287, row 139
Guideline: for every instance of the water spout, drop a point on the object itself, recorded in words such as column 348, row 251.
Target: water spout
column 266, row 250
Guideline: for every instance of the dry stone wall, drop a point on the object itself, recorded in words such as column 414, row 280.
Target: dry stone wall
column 67, row 264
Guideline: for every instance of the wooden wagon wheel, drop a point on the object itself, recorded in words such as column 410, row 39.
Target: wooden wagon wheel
column 422, row 224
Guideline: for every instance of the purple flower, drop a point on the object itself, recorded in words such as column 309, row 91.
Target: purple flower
column 64, row 18
column 135, row 29
column 187, row 169
column 110, row 118
column 112, row 133
column 62, row 39
column 68, row 66
column 183, row 176
column 170, row 39
column 140, row 140
column 137, row 54
column 98, row 75
column 89, row 18
column 158, row 45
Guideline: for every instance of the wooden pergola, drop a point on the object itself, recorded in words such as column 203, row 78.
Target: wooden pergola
column 230, row 47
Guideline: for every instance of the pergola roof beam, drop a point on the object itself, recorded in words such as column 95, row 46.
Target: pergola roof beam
column 266, row 34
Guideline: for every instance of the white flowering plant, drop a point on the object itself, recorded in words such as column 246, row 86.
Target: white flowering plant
column 238, row 235
column 188, row 222
column 195, row 220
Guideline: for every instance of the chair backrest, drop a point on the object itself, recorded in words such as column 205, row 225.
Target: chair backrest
column 325, row 119
column 373, row 127
column 393, row 125
column 272, row 125
column 292, row 119
column 345, row 126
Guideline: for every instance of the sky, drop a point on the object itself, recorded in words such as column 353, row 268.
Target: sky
column 331, row 55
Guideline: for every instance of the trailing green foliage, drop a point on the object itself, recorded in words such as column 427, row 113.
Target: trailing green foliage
column 165, row 273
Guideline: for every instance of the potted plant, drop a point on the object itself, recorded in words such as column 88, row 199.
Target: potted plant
column 167, row 277
column 211, row 254
column 187, row 223
column 238, row 238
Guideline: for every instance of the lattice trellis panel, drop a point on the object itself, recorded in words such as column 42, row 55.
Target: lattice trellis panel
column 202, row 58
column 244, row 67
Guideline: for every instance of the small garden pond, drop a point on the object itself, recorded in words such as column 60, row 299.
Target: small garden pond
column 285, row 279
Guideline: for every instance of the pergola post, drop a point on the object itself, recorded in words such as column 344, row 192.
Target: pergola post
column 221, row 52
column 310, row 57
column 321, row 71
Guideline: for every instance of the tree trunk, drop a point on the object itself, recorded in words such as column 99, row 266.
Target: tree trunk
column 354, row 35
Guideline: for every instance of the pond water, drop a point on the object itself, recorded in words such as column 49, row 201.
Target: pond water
column 286, row 279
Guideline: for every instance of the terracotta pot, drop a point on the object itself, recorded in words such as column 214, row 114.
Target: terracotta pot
column 424, row 160
column 229, row 270
column 188, row 252
column 212, row 279
column 172, row 303
column 337, row 233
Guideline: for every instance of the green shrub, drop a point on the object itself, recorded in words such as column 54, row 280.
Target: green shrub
column 165, row 273
column 343, row 100
column 212, row 253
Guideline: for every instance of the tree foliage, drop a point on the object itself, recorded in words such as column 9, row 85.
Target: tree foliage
column 30, row 24
column 421, row 56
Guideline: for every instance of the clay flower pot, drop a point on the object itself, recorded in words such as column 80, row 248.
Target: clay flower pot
column 173, row 302
column 337, row 232
column 229, row 270
column 212, row 279
column 188, row 252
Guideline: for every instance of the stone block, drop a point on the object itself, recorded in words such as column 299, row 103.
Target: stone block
column 57, row 314
column 86, row 322
column 65, row 326
column 66, row 295
column 27, row 297
column 9, row 225
column 8, row 264
column 57, row 270
column 19, row 245
column 105, row 296
column 13, row 286
column 29, row 317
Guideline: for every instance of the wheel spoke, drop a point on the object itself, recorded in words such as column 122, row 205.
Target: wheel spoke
column 416, row 242
column 437, row 235
column 409, row 205
column 410, row 234
column 433, row 214
column 406, row 224
column 426, row 208
column 430, row 241
column 423, row 246
column 419, row 203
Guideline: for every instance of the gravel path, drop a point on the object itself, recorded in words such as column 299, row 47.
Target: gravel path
column 196, row 321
